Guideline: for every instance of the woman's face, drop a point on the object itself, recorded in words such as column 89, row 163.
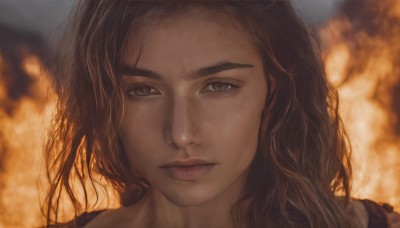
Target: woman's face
column 193, row 106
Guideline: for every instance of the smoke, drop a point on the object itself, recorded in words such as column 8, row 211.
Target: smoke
column 45, row 16
column 315, row 12
column 13, row 48
column 39, row 16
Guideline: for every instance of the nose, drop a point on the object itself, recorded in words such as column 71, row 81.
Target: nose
column 180, row 129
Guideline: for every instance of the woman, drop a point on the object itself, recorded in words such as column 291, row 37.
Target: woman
column 201, row 114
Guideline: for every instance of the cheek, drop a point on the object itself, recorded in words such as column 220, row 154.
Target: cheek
column 240, row 135
column 235, row 127
column 139, row 133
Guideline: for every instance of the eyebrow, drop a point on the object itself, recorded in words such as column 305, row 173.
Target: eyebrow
column 203, row 72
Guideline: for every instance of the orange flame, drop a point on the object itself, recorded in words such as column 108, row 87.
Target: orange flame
column 23, row 134
column 361, row 65
column 22, row 137
column 362, row 60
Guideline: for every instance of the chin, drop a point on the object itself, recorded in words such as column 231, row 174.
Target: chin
column 190, row 197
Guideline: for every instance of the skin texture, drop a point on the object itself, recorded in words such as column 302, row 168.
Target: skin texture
column 214, row 118
column 180, row 119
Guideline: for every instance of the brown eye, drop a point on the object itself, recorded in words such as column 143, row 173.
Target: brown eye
column 141, row 91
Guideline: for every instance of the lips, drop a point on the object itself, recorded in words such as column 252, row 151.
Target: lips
column 189, row 170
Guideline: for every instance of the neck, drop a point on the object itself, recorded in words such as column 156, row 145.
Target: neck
column 160, row 212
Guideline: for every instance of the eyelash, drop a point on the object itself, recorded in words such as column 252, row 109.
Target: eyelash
column 230, row 86
column 132, row 87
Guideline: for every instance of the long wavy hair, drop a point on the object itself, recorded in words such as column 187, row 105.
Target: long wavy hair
column 302, row 162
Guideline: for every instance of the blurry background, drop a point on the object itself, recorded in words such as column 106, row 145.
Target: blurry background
column 360, row 42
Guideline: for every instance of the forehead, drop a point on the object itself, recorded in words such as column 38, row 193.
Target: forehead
column 196, row 35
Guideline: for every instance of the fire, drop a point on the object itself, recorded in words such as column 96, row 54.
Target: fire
column 22, row 137
column 362, row 52
column 361, row 61
column 22, row 134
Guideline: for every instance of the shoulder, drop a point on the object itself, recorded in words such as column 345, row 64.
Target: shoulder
column 131, row 216
column 98, row 219
column 104, row 219
column 358, row 210
column 375, row 215
column 85, row 218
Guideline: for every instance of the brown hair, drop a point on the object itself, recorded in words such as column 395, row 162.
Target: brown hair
column 302, row 161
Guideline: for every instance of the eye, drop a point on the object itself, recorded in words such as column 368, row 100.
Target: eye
column 219, row 87
column 141, row 91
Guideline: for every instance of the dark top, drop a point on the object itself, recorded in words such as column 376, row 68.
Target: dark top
column 376, row 215
column 84, row 219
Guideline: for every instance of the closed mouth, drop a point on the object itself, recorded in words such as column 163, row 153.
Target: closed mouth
column 186, row 163
column 189, row 170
